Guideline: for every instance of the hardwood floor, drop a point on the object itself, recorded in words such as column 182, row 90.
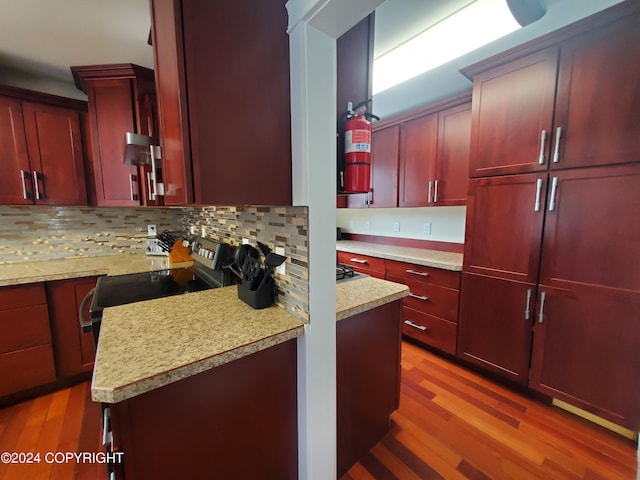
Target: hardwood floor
column 455, row 424
column 452, row 424
column 64, row 421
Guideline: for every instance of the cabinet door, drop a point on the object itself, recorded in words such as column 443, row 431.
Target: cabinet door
column 15, row 181
column 171, row 91
column 55, row 154
column 585, row 350
column 599, row 99
column 512, row 116
column 418, row 149
column 384, row 167
column 239, row 101
column 592, row 230
column 74, row 350
column 452, row 167
column 494, row 327
column 504, row 226
column 111, row 117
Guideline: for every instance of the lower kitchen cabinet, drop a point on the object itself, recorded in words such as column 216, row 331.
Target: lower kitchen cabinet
column 26, row 353
column 237, row 420
column 74, row 350
column 585, row 350
column 430, row 312
column 496, row 324
column 366, row 264
column 368, row 380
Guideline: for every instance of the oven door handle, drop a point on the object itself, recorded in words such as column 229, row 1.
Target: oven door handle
column 85, row 323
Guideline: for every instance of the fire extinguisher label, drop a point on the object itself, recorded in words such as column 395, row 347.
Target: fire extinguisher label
column 357, row 141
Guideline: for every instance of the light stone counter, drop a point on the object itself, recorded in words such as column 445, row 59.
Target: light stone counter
column 146, row 345
column 362, row 294
column 50, row 270
column 419, row 256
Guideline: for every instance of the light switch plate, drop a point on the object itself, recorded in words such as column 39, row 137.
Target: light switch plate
column 152, row 231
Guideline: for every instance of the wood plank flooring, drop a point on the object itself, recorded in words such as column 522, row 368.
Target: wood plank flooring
column 452, row 424
column 64, row 421
column 455, row 424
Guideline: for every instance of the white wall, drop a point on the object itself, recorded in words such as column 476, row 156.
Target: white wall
column 29, row 81
column 447, row 223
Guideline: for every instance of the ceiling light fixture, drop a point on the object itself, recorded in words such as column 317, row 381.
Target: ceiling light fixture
column 473, row 26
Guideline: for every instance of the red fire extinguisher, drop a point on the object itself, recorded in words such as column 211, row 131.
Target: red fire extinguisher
column 357, row 148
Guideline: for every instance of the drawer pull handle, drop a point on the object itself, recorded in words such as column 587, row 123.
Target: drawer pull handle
column 414, row 272
column 419, row 327
column 357, row 260
column 419, row 297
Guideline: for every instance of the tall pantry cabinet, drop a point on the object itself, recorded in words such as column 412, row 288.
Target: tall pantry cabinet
column 551, row 277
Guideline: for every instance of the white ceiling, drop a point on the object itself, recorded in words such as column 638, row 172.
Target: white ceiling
column 45, row 37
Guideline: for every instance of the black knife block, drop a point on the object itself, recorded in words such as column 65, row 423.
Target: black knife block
column 262, row 297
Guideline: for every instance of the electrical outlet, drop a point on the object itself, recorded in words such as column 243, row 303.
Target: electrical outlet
column 281, row 268
column 426, row 228
column 203, row 230
column 151, row 230
column 396, row 226
column 192, row 229
column 245, row 241
column 367, row 225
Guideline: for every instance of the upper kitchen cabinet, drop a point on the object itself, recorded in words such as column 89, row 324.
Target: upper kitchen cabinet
column 121, row 100
column 222, row 83
column 569, row 99
column 423, row 156
column 41, row 149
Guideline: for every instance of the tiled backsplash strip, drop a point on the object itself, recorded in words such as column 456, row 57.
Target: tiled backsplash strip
column 41, row 233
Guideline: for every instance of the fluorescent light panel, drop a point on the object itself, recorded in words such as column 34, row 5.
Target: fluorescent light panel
column 471, row 27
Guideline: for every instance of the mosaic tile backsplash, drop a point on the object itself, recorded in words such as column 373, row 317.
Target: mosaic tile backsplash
column 41, row 233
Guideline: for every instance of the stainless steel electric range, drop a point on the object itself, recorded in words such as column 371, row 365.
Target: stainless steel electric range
column 206, row 272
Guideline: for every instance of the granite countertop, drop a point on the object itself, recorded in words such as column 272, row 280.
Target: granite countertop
column 146, row 345
column 418, row 256
column 50, row 270
column 362, row 294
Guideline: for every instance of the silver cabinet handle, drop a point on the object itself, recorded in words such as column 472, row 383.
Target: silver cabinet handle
column 552, row 197
column 149, row 186
column 132, row 178
column 415, row 272
column 419, row 327
column 536, row 207
column 107, row 436
column 430, row 188
column 527, row 308
column 23, row 174
column 543, row 137
column 556, row 148
column 541, row 312
column 341, row 179
column 158, row 187
column 419, row 297
column 35, row 180
column 370, row 193
column 357, row 260
column 435, row 192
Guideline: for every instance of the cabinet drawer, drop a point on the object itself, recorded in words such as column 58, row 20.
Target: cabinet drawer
column 22, row 296
column 435, row 276
column 430, row 330
column 362, row 262
column 26, row 369
column 24, row 327
column 431, row 299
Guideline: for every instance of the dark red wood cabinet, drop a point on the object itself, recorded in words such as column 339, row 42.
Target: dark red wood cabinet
column 121, row 100
column 418, row 148
column 237, row 420
column 26, row 353
column 384, row 168
column 42, row 149
column 224, row 113
column 555, row 254
column 74, row 350
column 366, row 264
